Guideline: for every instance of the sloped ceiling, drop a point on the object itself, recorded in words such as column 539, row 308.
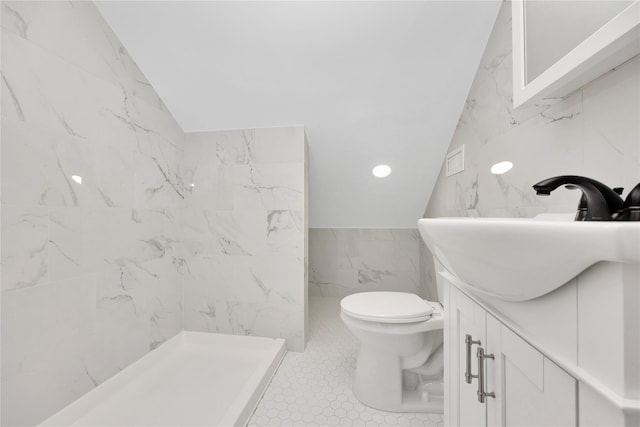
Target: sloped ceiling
column 372, row 82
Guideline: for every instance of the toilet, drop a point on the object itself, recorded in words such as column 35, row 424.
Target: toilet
column 400, row 360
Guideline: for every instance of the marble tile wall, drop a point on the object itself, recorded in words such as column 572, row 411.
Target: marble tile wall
column 91, row 271
column 344, row 261
column 245, row 233
column 593, row 132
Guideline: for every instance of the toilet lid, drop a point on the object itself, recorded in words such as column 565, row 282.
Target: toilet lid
column 387, row 307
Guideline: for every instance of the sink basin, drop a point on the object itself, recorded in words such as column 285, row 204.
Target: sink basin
column 519, row 259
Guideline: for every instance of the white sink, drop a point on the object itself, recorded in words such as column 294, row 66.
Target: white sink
column 519, row 259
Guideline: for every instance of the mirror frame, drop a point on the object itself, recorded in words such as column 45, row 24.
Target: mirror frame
column 611, row 45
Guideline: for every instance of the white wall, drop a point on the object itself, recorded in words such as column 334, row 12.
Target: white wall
column 91, row 272
column 594, row 132
column 245, row 233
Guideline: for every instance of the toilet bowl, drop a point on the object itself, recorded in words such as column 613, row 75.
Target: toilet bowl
column 400, row 361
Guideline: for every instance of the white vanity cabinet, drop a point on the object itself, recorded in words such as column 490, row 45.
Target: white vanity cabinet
column 466, row 322
column 521, row 386
column 529, row 388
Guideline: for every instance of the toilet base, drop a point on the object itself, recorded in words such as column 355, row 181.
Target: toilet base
column 413, row 400
column 385, row 390
column 419, row 401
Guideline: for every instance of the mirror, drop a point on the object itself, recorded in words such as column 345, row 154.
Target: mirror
column 547, row 36
column 559, row 45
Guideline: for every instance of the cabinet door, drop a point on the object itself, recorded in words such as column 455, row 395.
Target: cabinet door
column 466, row 318
column 529, row 388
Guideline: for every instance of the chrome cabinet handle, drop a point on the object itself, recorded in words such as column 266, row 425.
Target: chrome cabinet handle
column 468, row 341
column 482, row 393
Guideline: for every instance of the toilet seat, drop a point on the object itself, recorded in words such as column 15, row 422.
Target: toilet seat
column 387, row 307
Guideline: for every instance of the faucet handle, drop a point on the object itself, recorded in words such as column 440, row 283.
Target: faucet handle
column 631, row 207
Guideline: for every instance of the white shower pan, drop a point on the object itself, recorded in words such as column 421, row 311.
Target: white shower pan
column 194, row 379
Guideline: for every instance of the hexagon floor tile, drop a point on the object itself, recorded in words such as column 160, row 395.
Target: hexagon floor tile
column 313, row 388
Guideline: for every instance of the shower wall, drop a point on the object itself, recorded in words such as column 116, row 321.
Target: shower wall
column 109, row 228
column 245, row 232
column 91, row 260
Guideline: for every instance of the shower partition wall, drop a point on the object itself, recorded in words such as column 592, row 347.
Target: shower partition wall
column 245, row 232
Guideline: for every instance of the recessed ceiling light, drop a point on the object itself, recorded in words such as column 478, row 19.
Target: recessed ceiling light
column 381, row 171
column 77, row 178
column 501, row 167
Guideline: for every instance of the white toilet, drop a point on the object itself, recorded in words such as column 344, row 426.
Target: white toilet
column 400, row 362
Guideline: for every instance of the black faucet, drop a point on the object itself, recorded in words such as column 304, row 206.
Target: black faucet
column 602, row 203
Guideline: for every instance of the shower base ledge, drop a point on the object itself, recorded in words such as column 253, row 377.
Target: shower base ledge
column 193, row 379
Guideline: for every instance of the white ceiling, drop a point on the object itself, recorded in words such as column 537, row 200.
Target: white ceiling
column 372, row 82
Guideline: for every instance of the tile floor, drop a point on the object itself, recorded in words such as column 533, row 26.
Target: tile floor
column 314, row 388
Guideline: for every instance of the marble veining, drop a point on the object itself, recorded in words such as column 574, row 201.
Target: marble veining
column 14, row 99
column 25, row 247
column 18, row 23
column 347, row 261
